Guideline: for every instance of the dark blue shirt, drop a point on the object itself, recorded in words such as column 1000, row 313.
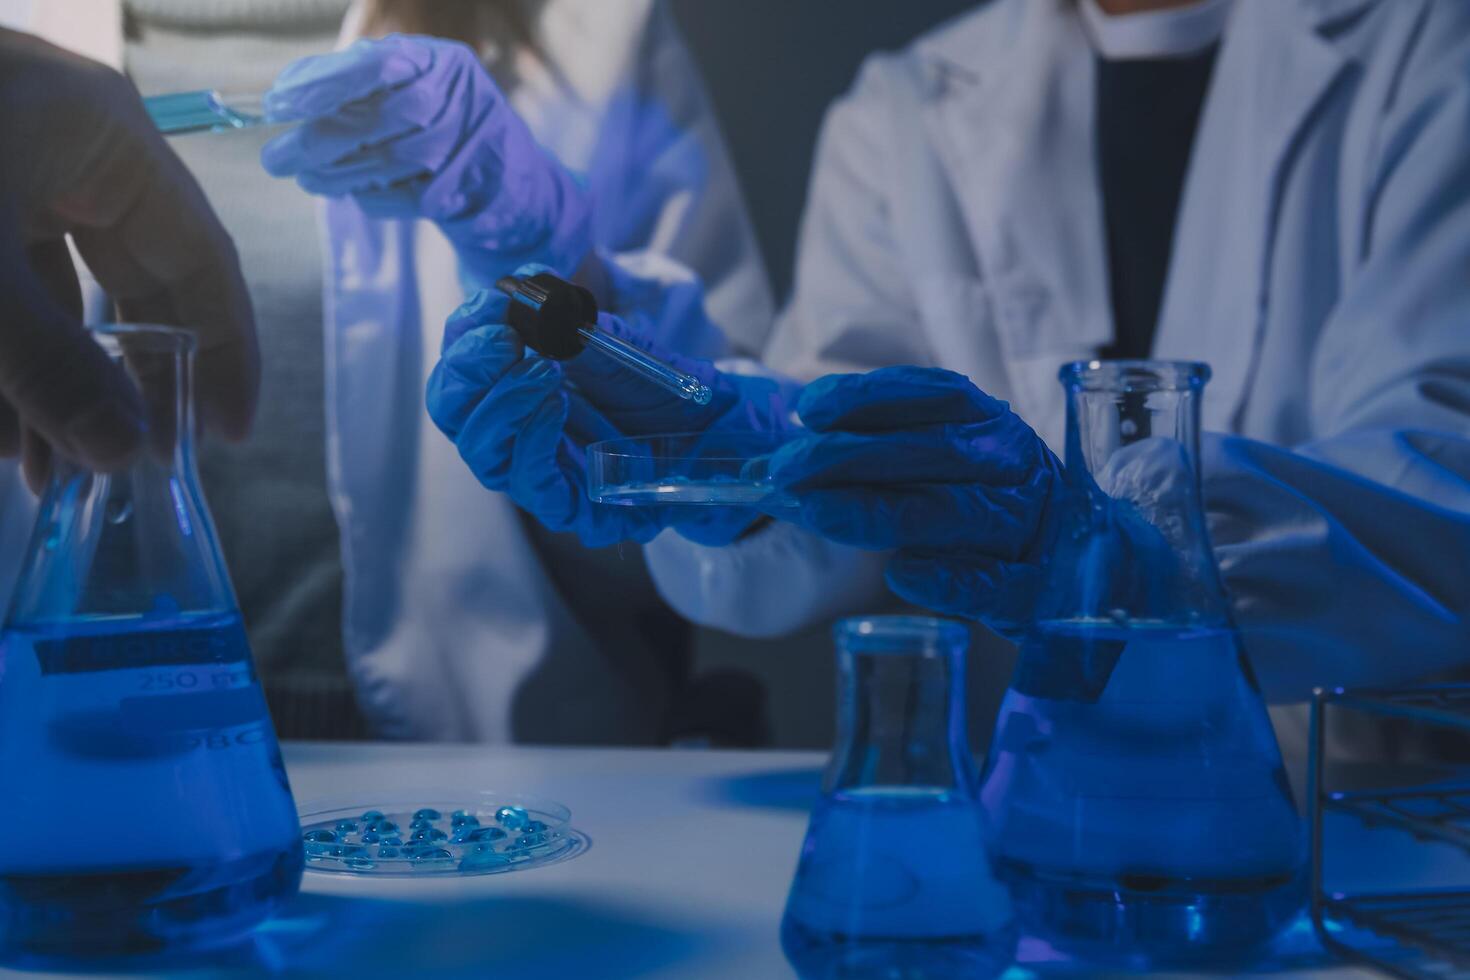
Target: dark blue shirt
column 1147, row 112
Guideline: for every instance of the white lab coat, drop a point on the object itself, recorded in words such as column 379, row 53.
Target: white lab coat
column 453, row 626
column 449, row 610
column 1321, row 266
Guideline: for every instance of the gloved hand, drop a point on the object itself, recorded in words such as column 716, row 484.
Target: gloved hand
column 522, row 422
column 978, row 508
column 91, row 164
column 415, row 127
column 921, row 461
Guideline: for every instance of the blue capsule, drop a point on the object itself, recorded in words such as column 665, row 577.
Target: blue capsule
column 484, row 834
column 512, row 817
column 372, row 816
column 427, row 813
column 479, row 860
column 319, row 837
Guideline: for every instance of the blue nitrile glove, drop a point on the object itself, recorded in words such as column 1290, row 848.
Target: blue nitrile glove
column 921, row 461
column 415, row 127
column 522, row 422
column 976, row 506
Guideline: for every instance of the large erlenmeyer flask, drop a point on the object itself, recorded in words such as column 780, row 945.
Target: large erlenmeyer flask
column 143, row 803
column 1140, row 809
column 893, row 879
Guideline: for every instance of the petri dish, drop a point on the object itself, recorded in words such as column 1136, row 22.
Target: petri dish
column 703, row 468
column 437, row 834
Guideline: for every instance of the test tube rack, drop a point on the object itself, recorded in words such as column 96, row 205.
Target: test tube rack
column 1417, row 933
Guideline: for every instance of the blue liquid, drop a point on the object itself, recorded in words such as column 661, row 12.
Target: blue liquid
column 894, row 882
column 1148, row 823
column 146, row 806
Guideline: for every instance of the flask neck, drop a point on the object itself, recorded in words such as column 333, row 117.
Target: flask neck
column 901, row 716
column 138, row 541
column 1133, row 546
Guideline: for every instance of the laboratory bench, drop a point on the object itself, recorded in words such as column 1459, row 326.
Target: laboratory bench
column 685, row 876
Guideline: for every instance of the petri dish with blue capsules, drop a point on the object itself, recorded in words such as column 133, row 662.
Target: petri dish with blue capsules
column 703, row 468
column 437, row 835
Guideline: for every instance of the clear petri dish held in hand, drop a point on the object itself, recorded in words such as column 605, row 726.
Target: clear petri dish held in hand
column 693, row 468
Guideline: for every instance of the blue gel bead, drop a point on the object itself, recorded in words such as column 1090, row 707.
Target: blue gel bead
column 385, row 827
column 372, row 816
column 346, row 826
column 463, row 819
column 535, row 826
column 485, row 834
column 360, row 864
column 430, row 834
column 512, row 817
column 392, row 839
column 369, row 837
column 528, row 840
column 427, row 813
column 387, row 852
column 432, row 854
column 420, row 824
column 354, row 851
column 319, row 837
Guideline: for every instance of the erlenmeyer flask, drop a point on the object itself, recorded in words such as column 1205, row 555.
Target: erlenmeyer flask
column 1139, row 806
column 145, row 806
column 893, row 879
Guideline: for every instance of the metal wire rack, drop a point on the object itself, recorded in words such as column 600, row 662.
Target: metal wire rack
column 1413, row 934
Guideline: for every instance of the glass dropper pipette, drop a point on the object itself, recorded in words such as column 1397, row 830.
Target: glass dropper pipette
column 559, row 319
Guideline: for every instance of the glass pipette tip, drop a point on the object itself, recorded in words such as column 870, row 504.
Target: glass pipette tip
column 686, row 386
column 205, row 111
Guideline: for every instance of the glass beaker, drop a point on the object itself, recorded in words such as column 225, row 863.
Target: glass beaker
column 1138, row 802
column 145, row 806
column 893, row 879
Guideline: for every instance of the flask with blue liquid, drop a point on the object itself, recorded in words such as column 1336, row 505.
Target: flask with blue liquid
column 145, row 805
column 893, row 878
column 1138, row 802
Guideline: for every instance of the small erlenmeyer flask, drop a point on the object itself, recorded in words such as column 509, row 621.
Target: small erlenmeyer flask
column 1139, row 807
column 893, row 879
column 146, row 808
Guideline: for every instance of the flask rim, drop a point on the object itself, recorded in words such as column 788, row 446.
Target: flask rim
column 154, row 338
column 1134, row 375
column 901, row 635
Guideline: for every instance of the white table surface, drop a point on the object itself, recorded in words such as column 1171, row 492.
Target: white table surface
column 686, row 875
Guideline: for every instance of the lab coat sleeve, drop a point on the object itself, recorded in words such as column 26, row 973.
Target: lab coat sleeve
column 664, row 162
column 1348, row 560
column 851, row 311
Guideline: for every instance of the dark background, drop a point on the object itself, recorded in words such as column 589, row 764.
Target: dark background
column 773, row 67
